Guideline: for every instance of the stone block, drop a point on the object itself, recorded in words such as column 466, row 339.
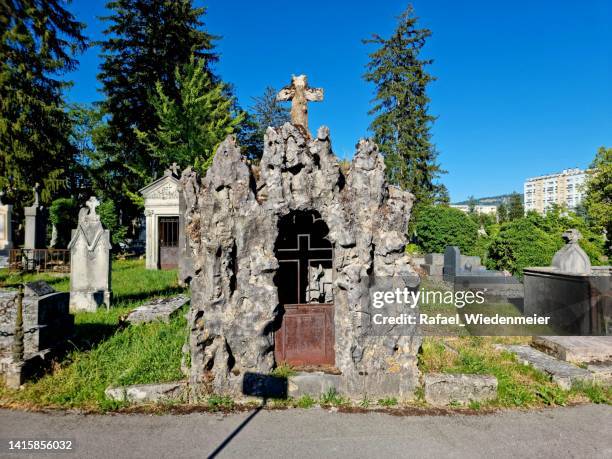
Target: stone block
column 432, row 270
column 576, row 349
column 563, row 373
column 313, row 384
column 434, row 259
column 162, row 309
column 147, row 393
column 602, row 373
column 444, row 389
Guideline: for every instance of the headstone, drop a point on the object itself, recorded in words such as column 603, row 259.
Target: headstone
column 35, row 224
column 90, row 262
column 6, row 237
column 452, row 262
column 47, row 325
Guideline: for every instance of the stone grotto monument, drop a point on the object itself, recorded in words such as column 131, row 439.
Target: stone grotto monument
column 284, row 256
column 573, row 293
column 90, row 262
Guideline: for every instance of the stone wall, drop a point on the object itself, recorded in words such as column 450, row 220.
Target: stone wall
column 232, row 219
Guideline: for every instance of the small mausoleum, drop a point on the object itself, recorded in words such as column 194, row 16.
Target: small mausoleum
column 285, row 256
column 161, row 200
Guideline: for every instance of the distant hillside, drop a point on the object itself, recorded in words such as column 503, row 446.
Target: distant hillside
column 490, row 201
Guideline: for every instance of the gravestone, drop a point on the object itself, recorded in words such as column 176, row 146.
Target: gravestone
column 257, row 239
column 90, row 262
column 467, row 273
column 35, row 224
column 573, row 293
column 47, row 325
column 6, row 232
column 161, row 309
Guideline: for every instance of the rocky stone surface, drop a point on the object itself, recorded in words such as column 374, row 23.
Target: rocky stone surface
column 602, row 373
column 576, row 349
column 161, row 309
column 443, row 389
column 314, row 384
column 563, row 373
column 232, row 217
column 143, row 393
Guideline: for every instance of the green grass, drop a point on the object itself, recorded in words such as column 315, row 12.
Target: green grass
column 518, row 385
column 105, row 354
column 333, row 398
column 305, row 401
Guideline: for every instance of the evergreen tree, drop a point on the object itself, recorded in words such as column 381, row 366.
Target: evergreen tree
column 472, row 205
column 191, row 128
column 145, row 42
column 441, row 195
column 266, row 111
column 39, row 41
column 502, row 212
column 402, row 121
column 515, row 207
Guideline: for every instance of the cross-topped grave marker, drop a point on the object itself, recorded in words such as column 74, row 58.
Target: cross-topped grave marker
column 300, row 94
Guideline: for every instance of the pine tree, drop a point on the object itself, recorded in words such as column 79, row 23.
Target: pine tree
column 266, row 111
column 145, row 41
column 39, row 41
column 191, row 128
column 502, row 212
column 515, row 207
column 402, row 121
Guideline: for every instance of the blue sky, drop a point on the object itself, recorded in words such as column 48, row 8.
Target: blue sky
column 523, row 87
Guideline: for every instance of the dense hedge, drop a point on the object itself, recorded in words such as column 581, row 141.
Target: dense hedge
column 439, row 226
column 533, row 241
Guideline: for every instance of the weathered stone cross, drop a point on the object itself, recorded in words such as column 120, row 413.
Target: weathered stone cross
column 300, row 94
column 92, row 203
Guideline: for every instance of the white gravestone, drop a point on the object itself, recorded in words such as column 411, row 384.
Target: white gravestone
column 90, row 262
column 6, row 213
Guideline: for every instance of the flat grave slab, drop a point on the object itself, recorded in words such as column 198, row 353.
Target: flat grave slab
column 576, row 349
column 161, row 309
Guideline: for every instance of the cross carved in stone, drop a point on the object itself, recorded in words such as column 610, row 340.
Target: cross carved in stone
column 92, row 203
column 300, row 94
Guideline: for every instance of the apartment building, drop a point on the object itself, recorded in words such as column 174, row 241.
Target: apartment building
column 565, row 188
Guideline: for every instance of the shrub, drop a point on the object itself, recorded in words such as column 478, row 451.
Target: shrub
column 533, row 241
column 439, row 226
column 110, row 220
column 63, row 214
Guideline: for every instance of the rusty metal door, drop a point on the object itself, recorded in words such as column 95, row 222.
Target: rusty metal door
column 168, row 242
column 306, row 333
column 306, row 336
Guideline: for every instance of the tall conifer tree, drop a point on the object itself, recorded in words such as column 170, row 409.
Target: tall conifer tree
column 402, row 121
column 39, row 41
column 146, row 41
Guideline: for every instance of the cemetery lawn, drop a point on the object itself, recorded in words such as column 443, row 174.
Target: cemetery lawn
column 104, row 353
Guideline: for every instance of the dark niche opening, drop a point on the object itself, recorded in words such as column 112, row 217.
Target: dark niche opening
column 304, row 325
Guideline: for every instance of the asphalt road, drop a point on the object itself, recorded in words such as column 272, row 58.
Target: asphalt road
column 584, row 432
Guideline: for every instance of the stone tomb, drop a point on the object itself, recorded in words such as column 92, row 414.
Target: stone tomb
column 284, row 256
column 47, row 323
column 575, row 295
column 162, row 220
column 90, row 262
